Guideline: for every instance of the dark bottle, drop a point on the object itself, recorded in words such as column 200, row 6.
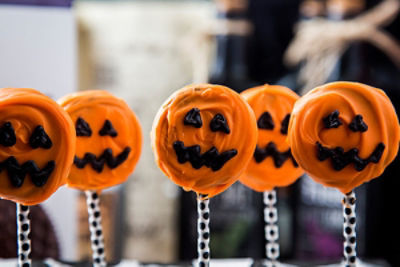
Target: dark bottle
column 236, row 220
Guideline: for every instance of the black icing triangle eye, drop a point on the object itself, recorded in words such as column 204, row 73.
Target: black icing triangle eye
column 332, row 120
column 285, row 124
column 265, row 121
column 193, row 118
column 219, row 123
column 7, row 135
column 108, row 129
column 82, row 128
column 358, row 125
column 39, row 138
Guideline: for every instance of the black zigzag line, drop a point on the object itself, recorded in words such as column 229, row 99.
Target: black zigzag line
column 341, row 159
column 272, row 151
column 211, row 158
column 106, row 157
column 17, row 172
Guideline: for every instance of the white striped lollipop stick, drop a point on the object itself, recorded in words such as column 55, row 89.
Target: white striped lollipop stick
column 349, row 229
column 271, row 227
column 23, row 233
column 203, row 230
column 96, row 232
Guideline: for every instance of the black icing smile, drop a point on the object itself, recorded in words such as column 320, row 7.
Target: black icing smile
column 341, row 159
column 17, row 172
column 271, row 150
column 211, row 158
column 106, row 157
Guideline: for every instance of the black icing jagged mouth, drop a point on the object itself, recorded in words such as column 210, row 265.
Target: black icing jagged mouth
column 106, row 157
column 341, row 159
column 17, row 172
column 211, row 158
column 271, row 151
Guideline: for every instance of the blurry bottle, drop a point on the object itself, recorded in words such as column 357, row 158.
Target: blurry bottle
column 319, row 213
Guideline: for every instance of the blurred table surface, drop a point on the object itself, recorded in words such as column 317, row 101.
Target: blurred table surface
column 214, row 263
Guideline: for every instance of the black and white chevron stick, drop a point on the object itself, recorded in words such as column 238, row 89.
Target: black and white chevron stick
column 349, row 229
column 24, row 240
column 203, row 230
column 271, row 227
column 96, row 232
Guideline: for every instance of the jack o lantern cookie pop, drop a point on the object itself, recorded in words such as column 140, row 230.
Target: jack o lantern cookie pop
column 344, row 134
column 37, row 146
column 108, row 146
column 203, row 137
column 272, row 164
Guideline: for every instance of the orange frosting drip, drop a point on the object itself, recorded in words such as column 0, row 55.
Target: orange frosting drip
column 168, row 127
column 279, row 102
column 350, row 99
column 95, row 107
column 26, row 109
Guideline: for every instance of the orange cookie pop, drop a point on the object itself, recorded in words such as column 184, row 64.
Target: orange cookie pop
column 203, row 138
column 272, row 164
column 37, row 145
column 108, row 146
column 108, row 143
column 344, row 134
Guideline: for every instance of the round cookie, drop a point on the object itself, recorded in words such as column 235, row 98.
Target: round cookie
column 203, row 137
column 37, row 145
column 344, row 134
column 109, row 139
column 272, row 164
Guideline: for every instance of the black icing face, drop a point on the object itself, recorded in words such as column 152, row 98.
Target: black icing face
column 83, row 129
column 212, row 158
column 339, row 158
column 17, row 171
column 266, row 123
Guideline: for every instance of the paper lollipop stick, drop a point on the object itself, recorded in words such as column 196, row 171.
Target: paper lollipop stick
column 203, row 229
column 349, row 229
column 24, row 240
column 271, row 226
column 96, row 231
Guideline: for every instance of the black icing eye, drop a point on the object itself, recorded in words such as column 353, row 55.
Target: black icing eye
column 285, row 124
column 7, row 135
column 82, row 128
column 108, row 129
column 193, row 118
column 358, row 125
column 332, row 120
column 39, row 138
column 265, row 121
column 219, row 123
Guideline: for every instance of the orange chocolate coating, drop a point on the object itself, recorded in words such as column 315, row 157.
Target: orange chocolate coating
column 264, row 175
column 95, row 108
column 307, row 126
column 21, row 112
column 169, row 128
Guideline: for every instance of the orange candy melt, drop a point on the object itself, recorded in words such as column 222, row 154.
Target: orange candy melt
column 109, row 139
column 272, row 165
column 203, row 137
column 37, row 145
column 327, row 118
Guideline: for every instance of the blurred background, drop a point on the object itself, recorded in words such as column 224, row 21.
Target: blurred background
column 144, row 50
